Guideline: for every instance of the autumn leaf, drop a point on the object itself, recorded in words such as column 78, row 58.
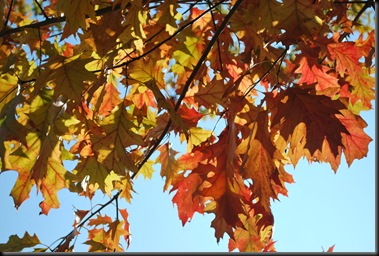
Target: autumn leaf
column 100, row 220
column 347, row 57
column 168, row 16
column 363, row 89
column 126, row 226
column 259, row 165
column 65, row 76
column 17, row 244
column 8, row 89
column 197, row 136
column 117, row 134
column 355, row 143
column 305, row 108
column 208, row 96
column 187, row 202
column 325, row 83
column 104, row 84
column 249, row 238
column 170, row 166
column 330, row 249
column 76, row 12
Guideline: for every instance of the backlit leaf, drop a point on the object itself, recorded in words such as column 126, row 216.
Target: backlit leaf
column 17, row 244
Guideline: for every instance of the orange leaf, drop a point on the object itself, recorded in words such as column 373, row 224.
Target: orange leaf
column 126, row 227
column 356, row 142
column 347, row 56
column 325, row 83
column 100, row 220
column 188, row 203
column 250, row 238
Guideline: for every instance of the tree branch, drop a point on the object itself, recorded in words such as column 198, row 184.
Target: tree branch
column 40, row 7
column 164, row 41
column 52, row 21
column 115, row 197
column 189, row 81
column 8, row 16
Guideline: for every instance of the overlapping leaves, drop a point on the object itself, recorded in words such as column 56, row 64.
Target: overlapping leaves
column 109, row 99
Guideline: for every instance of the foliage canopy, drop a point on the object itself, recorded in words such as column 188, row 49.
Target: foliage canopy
column 103, row 84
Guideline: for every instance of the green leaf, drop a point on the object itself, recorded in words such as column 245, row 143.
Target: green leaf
column 17, row 244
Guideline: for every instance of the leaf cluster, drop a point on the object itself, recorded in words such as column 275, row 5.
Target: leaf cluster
column 105, row 84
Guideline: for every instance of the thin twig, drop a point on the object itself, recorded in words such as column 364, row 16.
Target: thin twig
column 40, row 49
column 8, row 16
column 52, row 21
column 218, row 42
column 189, row 82
column 115, row 197
column 265, row 74
column 40, row 7
column 164, row 41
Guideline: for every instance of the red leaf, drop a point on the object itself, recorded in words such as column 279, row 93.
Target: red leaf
column 126, row 227
column 308, row 120
column 185, row 198
column 313, row 73
column 356, row 142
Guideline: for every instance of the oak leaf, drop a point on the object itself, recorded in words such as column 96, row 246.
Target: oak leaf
column 17, row 244
column 65, row 76
column 76, row 12
column 317, row 115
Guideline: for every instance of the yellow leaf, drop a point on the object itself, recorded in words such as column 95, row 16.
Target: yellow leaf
column 65, row 75
column 197, row 136
column 76, row 12
column 147, row 170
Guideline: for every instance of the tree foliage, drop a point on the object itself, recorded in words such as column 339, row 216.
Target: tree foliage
column 104, row 84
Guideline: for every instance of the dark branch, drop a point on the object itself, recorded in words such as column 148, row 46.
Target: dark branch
column 189, row 81
column 40, row 7
column 266, row 73
column 8, row 16
column 166, row 40
column 55, row 20
column 115, row 197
